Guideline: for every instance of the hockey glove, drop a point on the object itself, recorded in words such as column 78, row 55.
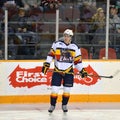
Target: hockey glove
column 45, row 67
column 83, row 73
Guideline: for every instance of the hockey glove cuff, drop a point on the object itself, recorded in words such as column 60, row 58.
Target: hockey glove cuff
column 45, row 67
column 83, row 73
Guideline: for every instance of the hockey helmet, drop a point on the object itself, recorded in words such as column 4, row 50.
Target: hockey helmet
column 68, row 32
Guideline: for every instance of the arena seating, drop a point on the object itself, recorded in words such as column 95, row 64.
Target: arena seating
column 111, row 53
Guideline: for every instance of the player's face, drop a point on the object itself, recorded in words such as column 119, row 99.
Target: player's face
column 67, row 39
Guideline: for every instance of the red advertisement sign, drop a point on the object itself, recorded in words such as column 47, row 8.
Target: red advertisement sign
column 22, row 77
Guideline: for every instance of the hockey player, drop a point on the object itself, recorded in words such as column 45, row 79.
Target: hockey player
column 65, row 54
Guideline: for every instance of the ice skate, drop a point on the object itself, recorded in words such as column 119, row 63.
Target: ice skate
column 64, row 108
column 51, row 109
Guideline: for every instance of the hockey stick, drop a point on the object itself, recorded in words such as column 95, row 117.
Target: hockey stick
column 102, row 76
column 91, row 75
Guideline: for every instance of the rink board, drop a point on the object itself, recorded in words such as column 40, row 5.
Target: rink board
column 45, row 98
column 20, row 82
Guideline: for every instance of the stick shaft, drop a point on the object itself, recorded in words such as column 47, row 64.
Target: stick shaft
column 102, row 76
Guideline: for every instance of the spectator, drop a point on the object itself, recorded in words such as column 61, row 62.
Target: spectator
column 97, row 30
column 86, row 12
column 45, row 4
column 50, row 4
column 114, row 19
column 115, row 28
column 22, row 18
column 51, row 7
column 28, row 4
column 9, row 4
column 98, row 26
column 19, row 3
column 83, row 27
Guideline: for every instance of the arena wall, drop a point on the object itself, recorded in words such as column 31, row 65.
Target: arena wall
column 21, row 82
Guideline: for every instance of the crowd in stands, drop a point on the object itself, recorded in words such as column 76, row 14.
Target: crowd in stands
column 27, row 18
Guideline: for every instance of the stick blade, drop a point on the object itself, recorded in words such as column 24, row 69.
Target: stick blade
column 107, row 76
column 111, row 76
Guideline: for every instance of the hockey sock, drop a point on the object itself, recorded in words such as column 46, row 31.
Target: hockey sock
column 65, row 98
column 53, row 99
